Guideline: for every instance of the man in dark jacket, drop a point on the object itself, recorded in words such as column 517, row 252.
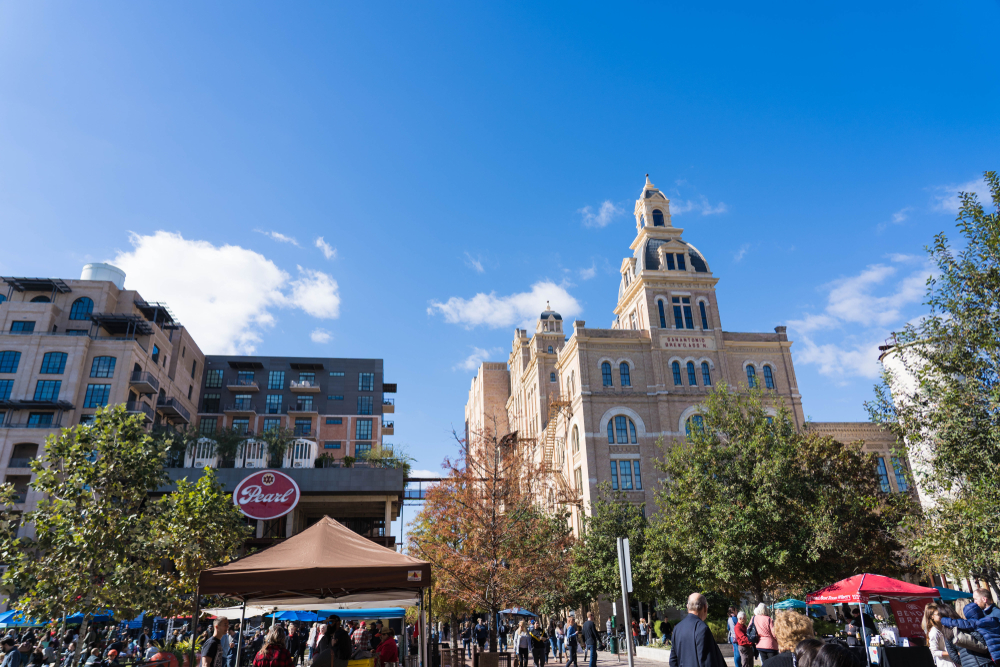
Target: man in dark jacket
column 693, row 644
column 482, row 633
column 590, row 638
column 976, row 619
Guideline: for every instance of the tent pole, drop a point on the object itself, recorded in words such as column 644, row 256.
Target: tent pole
column 864, row 640
column 239, row 635
column 194, row 625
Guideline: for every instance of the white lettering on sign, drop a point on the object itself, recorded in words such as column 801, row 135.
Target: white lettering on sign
column 253, row 494
column 688, row 342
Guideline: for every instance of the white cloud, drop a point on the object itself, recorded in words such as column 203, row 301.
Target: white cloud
column 865, row 306
column 495, row 311
column 478, row 356
column 701, row 205
column 321, row 336
column 328, row 250
column 316, row 293
column 741, row 253
column 587, row 274
column 946, row 197
column 425, row 473
column 605, row 214
column 474, row 263
column 278, row 236
column 224, row 295
column 901, row 215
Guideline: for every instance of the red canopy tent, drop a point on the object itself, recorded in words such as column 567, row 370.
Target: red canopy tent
column 865, row 587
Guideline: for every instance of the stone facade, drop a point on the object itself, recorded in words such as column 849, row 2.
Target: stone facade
column 600, row 399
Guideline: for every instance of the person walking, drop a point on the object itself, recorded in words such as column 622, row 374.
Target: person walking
column 935, row 632
column 274, row 653
column 731, row 627
column 976, row 619
column 522, row 642
column 768, row 644
column 502, row 631
column 643, row 631
column 213, row 651
column 570, row 636
column 743, row 644
column 481, row 634
column 590, row 639
column 539, row 644
column 553, row 642
column 693, row 644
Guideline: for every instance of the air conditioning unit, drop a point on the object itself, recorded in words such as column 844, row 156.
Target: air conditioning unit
column 199, row 464
column 297, row 464
column 250, row 464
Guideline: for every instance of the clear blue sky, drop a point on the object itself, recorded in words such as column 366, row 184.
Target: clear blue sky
column 449, row 150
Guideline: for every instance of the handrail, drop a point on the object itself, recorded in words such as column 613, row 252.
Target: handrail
column 139, row 406
column 174, row 404
column 242, row 383
column 241, row 407
column 144, row 376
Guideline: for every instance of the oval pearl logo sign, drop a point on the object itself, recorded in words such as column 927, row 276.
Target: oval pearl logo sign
column 267, row 494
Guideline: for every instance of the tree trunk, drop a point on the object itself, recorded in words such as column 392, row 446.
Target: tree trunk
column 83, row 636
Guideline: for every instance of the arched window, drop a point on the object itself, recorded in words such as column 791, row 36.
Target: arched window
column 9, row 361
column 695, row 423
column 53, row 363
column 41, row 299
column 663, row 317
column 623, row 371
column 751, row 376
column 620, row 430
column 103, row 367
column 550, row 349
column 81, row 308
column 606, row 374
column 576, row 439
column 704, row 315
column 706, row 374
column 692, row 378
column 657, row 217
column 676, row 368
column 768, row 377
column 552, row 377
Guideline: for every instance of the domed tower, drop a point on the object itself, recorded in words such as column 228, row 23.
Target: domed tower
column 666, row 284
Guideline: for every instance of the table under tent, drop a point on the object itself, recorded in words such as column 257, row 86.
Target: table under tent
column 326, row 567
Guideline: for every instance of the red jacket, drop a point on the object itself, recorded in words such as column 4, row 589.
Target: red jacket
column 387, row 650
column 740, row 630
column 273, row 656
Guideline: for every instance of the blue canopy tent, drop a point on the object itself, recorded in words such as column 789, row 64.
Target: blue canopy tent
column 950, row 595
column 291, row 615
column 518, row 611
column 799, row 604
column 16, row 619
column 108, row 615
column 363, row 614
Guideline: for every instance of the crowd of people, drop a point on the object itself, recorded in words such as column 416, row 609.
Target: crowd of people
column 100, row 647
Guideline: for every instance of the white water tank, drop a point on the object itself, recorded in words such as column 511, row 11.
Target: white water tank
column 101, row 271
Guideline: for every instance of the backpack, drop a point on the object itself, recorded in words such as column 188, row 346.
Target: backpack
column 752, row 633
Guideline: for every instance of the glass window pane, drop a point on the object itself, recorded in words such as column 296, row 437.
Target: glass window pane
column 213, row 378
column 9, row 361
column 768, row 377
column 670, row 262
column 678, row 318
column 611, row 431
column 704, row 315
column 5, row 389
column 624, row 372
column 751, row 376
column 606, row 374
column 692, row 377
column 706, row 374
column 53, row 363
column 276, row 380
column 621, row 429
column 663, row 317
column 614, row 475
column 47, row 390
column 676, row 367
column 631, row 430
column 102, row 367
column 638, row 475
column 883, row 475
column 97, row 395
column 901, row 482
column 625, row 475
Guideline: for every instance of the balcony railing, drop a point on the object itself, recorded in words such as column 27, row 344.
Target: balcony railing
column 138, row 407
column 245, row 407
column 388, row 424
column 54, row 424
column 302, row 407
column 145, row 382
column 20, row 462
column 302, row 431
column 388, row 406
column 304, row 386
column 249, row 385
column 172, row 406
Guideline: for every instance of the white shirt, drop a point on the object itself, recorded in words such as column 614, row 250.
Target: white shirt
column 935, row 639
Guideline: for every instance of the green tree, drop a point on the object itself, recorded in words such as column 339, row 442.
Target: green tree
column 277, row 440
column 751, row 504
column 941, row 395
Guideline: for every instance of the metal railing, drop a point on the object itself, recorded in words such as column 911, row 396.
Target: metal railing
column 302, row 431
column 303, row 384
column 241, row 407
column 173, row 404
column 388, row 424
column 143, row 377
column 243, row 383
column 139, row 407
column 388, row 401
column 20, row 462
column 302, row 407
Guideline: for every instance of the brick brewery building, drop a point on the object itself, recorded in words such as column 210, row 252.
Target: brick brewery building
column 598, row 400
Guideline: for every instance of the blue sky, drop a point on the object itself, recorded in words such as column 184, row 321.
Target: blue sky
column 448, row 150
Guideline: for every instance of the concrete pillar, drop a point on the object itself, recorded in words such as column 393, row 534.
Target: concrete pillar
column 290, row 523
column 388, row 516
column 260, row 528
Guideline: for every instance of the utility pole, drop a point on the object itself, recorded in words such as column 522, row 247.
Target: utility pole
column 625, row 574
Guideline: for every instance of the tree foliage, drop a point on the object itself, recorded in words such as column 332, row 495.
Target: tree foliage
column 941, row 395
column 749, row 503
column 483, row 528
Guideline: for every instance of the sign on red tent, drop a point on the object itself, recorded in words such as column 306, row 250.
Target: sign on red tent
column 865, row 587
column 908, row 616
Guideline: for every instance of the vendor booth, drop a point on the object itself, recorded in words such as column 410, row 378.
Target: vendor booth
column 907, row 602
column 817, row 610
column 324, row 567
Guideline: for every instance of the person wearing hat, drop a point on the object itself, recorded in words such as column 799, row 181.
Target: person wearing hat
column 387, row 650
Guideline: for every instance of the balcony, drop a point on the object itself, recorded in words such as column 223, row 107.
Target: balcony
column 243, row 408
column 304, row 408
column 388, row 406
column 171, row 407
column 388, row 428
column 139, row 408
column 20, row 462
column 304, row 387
column 144, row 383
column 53, row 424
column 303, row 432
column 243, row 385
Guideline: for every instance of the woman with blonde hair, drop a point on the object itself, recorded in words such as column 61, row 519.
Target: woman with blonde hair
column 767, row 647
column 273, row 653
column 936, row 635
column 790, row 629
column 522, row 642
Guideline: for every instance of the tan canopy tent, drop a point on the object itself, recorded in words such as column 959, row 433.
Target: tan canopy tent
column 325, row 564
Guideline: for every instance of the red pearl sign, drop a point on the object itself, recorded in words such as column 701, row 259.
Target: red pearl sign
column 266, row 494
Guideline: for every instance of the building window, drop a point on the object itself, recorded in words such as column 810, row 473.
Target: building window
column 692, row 376
column 638, row 475
column 81, row 308
column 242, row 426
column 331, row 444
column 5, row 388
column 901, row 482
column 768, row 377
column 682, row 312
column 87, row 419
column 272, row 424
column 550, row 349
column 670, row 262
column 272, row 406
column 336, row 374
column 751, row 376
column 194, row 366
column 694, row 423
column 606, row 374
column 704, row 315
column 244, row 378
column 39, row 419
column 361, row 449
column 364, row 405
column 706, row 374
column 624, row 373
column 77, row 332
column 614, row 475
column 47, row 390
column 276, row 380
column 576, row 439
column 210, row 402
column 308, row 379
column 883, row 475
column 97, row 395
column 156, row 354
column 676, row 368
column 363, row 429
column 102, row 367
column 552, row 377
column 22, row 327
column 334, row 420
column 213, row 379
column 242, row 401
column 680, row 262
column 41, row 299
column 366, row 382
column 207, row 425
column 335, row 398
column 663, row 317
column 657, row 217
column 304, row 404
column 578, row 478
column 53, row 363
column 625, row 475
column 9, row 361
column 621, row 428
column 190, row 391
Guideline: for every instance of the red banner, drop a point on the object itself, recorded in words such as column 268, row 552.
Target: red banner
column 267, row 494
column 908, row 616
